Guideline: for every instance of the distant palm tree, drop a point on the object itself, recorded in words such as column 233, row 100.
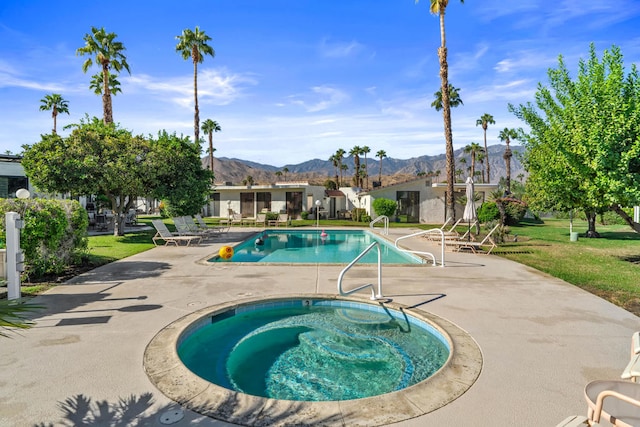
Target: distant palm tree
column 355, row 152
column 381, row 154
column 507, row 135
column 334, row 161
column 57, row 104
column 366, row 150
column 193, row 44
column 437, row 173
column 421, row 174
column 340, row 157
column 343, row 169
column 108, row 54
column 279, row 174
column 97, row 84
column 438, row 7
column 209, row 127
column 474, row 149
column 454, row 98
column 285, row 170
column 485, row 120
column 481, row 158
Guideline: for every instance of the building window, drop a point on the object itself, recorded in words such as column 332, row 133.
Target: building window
column 263, row 201
column 246, row 204
column 10, row 184
column 408, row 206
column 294, row 203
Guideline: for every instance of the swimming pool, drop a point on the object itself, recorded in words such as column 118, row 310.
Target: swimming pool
column 169, row 374
column 314, row 350
column 316, row 247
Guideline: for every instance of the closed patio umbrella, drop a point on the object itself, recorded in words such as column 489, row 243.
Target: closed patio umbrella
column 470, row 208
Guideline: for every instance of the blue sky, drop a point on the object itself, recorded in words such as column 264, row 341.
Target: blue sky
column 296, row 80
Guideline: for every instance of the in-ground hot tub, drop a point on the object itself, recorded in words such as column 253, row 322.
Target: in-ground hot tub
column 280, row 360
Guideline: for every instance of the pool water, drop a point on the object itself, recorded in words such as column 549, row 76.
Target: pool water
column 314, row 352
column 311, row 246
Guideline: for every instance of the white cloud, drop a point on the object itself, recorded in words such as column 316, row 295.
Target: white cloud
column 323, row 98
column 330, row 49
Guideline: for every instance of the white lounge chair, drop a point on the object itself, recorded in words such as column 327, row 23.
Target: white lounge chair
column 616, row 401
column 163, row 233
column 203, row 225
column 193, row 228
column 283, row 219
column 458, row 244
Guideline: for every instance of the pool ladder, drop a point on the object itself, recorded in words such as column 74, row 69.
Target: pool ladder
column 422, row 233
column 374, row 296
column 384, row 218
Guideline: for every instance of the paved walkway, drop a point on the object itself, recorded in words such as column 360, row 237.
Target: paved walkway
column 542, row 339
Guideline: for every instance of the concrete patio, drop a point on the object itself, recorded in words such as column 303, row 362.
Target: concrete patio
column 542, row 340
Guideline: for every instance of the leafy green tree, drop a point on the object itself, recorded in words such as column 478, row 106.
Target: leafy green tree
column 385, row 207
column 57, row 104
column 97, row 158
column 193, row 44
column 108, row 55
column 179, row 178
column 209, row 127
column 438, row 7
column 583, row 148
column 485, row 120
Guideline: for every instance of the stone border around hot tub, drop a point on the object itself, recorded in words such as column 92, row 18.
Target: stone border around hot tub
column 167, row 372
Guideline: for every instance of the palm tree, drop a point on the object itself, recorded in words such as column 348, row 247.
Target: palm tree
column 381, row 154
column 437, row 173
column 507, row 135
column 366, row 150
column 343, row 169
column 334, row 161
column 193, row 44
column 339, row 157
column 108, row 54
column 485, row 120
column 474, row 149
column 355, row 152
column 481, row 158
column 285, row 170
column 438, row 7
column 454, row 98
column 209, row 127
column 279, row 174
column 97, row 84
column 57, row 104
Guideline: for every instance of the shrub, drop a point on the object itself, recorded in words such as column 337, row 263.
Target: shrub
column 514, row 210
column 357, row 214
column 385, row 207
column 488, row 212
column 304, row 214
column 54, row 234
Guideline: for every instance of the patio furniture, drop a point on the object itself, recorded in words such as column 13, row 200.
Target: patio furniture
column 632, row 371
column 283, row 219
column 203, row 225
column 193, row 228
column 458, row 244
column 163, row 233
column 615, row 401
column 261, row 220
column 101, row 222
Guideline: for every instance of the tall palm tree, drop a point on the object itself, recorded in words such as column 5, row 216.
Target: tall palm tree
column 97, row 84
column 340, row 157
column 474, row 149
column 485, row 120
column 108, row 55
column 334, row 161
column 57, row 104
column 343, row 169
column 193, row 44
column 366, row 150
column 507, row 135
column 481, row 158
column 285, row 170
column 438, row 7
column 209, row 127
column 454, row 98
column 355, row 152
column 381, row 154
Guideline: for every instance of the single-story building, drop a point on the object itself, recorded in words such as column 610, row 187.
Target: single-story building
column 12, row 176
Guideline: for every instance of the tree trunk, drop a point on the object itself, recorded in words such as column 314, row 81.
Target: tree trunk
column 211, row 151
column 196, row 116
column 634, row 225
column 486, row 156
column 501, row 210
column 591, row 220
column 106, row 96
column 446, row 113
column 507, row 162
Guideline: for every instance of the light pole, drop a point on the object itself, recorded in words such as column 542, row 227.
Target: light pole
column 318, row 203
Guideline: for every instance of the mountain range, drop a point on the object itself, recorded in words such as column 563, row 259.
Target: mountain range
column 317, row 171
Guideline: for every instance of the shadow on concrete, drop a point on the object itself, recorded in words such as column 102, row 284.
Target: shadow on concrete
column 435, row 297
column 121, row 270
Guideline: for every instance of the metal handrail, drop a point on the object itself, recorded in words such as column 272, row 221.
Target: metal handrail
column 420, row 233
column 386, row 223
column 363, row 253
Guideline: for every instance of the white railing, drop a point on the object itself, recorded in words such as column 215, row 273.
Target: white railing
column 384, row 218
column 374, row 296
column 421, row 233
